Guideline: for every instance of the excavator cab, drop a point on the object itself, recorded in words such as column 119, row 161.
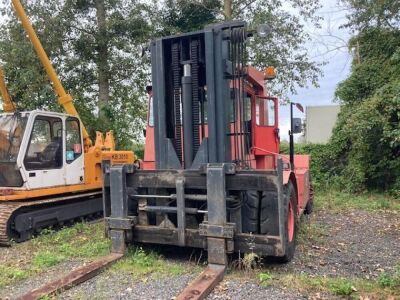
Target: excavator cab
column 40, row 149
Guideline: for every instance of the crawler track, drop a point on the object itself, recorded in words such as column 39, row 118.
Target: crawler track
column 19, row 220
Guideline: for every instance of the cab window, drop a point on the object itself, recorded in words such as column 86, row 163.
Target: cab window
column 73, row 141
column 45, row 145
column 265, row 112
column 151, row 112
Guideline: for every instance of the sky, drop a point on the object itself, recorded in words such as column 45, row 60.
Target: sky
column 323, row 48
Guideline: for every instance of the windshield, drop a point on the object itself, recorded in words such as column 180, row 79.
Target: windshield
column 12, row 129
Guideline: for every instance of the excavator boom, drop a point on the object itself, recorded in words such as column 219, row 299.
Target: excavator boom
column 63, row 97
column 8, row 104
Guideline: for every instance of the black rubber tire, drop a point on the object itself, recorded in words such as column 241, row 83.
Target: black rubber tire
column 250, row 211
column 310, row 204
column 269, row 219
column 289, row 196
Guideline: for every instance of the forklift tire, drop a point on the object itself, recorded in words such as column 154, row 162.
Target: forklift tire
column 309, row 207
column 269, row 221
column 250, row 211
column 291, row 224
column 310, row 204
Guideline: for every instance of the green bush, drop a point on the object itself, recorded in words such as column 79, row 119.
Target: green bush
column 364, row 150
column 366, row 140
column 138, row 149
column 321, row 162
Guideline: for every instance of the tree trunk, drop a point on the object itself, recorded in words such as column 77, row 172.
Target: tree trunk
column 228, row 9
column 102, row 58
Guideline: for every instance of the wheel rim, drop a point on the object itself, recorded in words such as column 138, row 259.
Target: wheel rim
column 290, row 222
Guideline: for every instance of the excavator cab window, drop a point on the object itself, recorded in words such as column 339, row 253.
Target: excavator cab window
column 45, row 145
column 12, row 128
column 73, row 144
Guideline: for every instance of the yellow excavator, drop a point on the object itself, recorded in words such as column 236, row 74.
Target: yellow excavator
column 50, row 170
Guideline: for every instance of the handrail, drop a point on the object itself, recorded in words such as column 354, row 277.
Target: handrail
column 270, row 152
column 63, row 98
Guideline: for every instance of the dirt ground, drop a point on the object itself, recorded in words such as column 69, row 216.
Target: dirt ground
column 335, row 250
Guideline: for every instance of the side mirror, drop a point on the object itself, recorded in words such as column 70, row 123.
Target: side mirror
column 144, row 132
column 297, row 126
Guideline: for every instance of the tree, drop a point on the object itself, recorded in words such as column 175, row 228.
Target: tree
column 228, row 9
column 364, row 14
column 96, row 47
column 284, row 48
column 366, row 141
column 185, row 16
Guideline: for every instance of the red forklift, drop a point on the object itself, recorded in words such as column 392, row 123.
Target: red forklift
column 212, row 176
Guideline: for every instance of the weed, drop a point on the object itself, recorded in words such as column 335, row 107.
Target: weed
column 311, row 233
column 143, row 260
column 341, row 287
column 11, row 274
column 47, row 259
column 140, row 263
column 338, row 201
column 390, row 280
column 80, row 240
column 250, row 261
column 51, row 248
column 383, row 204
column 247, row 262
column 344, row 287
column 94, row 249
column 265, row 278
column 47, row 297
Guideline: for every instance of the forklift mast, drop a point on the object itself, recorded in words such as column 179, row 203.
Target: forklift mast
column 193, row 75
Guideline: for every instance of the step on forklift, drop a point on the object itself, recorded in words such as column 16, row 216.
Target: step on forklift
column 212, row 176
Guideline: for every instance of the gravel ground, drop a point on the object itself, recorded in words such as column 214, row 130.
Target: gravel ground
column 235, row 289
column 17, row 290
column 355, row 244
column 112, row 285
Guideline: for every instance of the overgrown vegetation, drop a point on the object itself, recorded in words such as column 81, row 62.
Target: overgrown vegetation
column 366, row 141
column 11, row 274
column 335, row 200
column 320, row 162
column 140, row 263
column 345, row 287
column 364, row 150
column 81, row 241
column 390, row 279
column 383, row 287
